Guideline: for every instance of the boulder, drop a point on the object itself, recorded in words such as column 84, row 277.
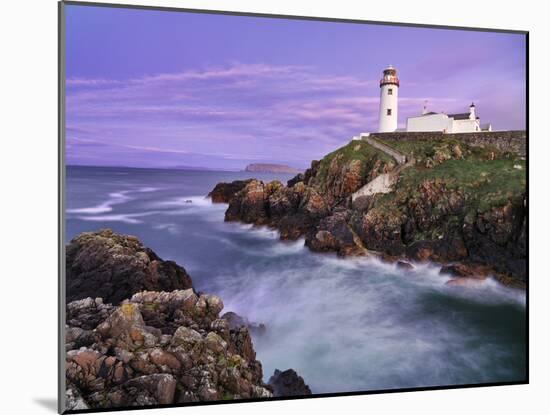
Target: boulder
column 114, row 266
column 288, row 383
column 224, row 192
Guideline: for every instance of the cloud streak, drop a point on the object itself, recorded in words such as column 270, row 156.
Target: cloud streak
column 223, row 116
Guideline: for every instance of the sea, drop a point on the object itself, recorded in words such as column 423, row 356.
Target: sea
column 344, row 324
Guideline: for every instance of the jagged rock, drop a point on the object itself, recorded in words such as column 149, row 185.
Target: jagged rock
column 87, row 313
column 113, row 266
column 288, row 383
column 334, row 234
column 298, row 178
column 224, row 192
column 249, row 205
column 157, row 348
column 235, row 321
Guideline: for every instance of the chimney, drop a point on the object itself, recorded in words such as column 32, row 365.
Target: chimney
column 472, row 111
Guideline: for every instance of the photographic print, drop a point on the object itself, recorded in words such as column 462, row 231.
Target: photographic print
column 258, row 207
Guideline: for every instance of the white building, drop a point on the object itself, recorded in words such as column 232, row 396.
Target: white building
column 389, row 88
column 466, row 122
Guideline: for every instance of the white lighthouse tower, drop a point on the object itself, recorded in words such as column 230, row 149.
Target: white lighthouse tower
column 389, row 88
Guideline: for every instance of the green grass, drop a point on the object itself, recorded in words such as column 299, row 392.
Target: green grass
column 487, row 183
column 423, row 149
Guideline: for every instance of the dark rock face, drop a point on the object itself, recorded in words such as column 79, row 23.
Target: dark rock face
column 112, row 266
column 298, row 178
column 155, row 347
column 224, row 192
column 288, row 383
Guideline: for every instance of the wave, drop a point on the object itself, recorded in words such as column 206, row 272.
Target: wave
column 187, row 201
column 115, row 198
column 359, row 323
column 129, row 218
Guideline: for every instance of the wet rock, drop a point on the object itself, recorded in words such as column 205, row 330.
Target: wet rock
column 224, row 192
column 404, row 265
column 335, row 234
column 462, row 270
column 249, row 205
column 288, row 383
column 113, row 266
column 463, row 282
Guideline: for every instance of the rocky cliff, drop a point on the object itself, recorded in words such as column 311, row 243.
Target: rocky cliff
column 452, row 202
column 157, row 341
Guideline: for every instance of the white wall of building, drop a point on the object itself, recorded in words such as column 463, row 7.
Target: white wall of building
column 388, row 101
column 442, row 122
column 432, row 122
column 465, row 126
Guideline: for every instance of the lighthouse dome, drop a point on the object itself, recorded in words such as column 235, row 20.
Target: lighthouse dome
column 390, row 76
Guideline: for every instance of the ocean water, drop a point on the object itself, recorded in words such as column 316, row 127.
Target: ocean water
column 343, row 324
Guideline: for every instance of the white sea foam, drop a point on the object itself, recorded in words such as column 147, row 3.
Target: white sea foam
column 115, row 198
column 130, row 218
column 171, row 228
column 360, row 323
column 187, row 201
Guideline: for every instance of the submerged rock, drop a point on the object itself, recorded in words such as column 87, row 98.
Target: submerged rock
column 404, row 265
column 114, row 266
column 288, row 383
column 463, row 270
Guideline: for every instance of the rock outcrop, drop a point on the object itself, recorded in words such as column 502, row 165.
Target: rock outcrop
column 158, row 348
column 288, row 383
column 458, row 203
column 155, row 347
column 113, row 267
column 236, row 322
column 224, row 192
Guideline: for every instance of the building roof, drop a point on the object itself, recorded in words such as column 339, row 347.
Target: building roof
column 461, row 116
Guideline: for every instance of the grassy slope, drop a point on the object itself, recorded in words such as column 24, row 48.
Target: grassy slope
column 488, row 183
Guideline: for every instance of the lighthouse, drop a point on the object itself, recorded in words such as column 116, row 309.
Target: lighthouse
column 389, row 87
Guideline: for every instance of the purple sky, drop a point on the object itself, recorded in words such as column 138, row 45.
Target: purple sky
column 160, row 89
